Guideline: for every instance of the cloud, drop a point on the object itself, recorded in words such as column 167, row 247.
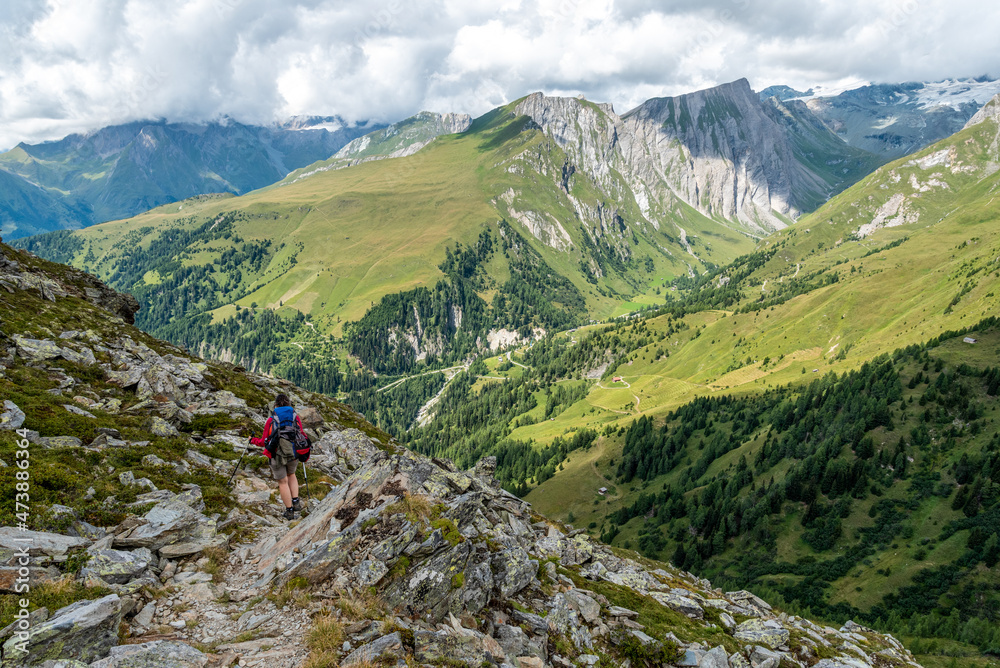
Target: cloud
column 69, row 66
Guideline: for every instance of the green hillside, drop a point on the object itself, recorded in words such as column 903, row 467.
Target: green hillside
column 272, row 278
column 808, row 419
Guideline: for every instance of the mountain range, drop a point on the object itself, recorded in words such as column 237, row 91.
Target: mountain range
column 893, row 120
column 122, row 170
column 804, row 406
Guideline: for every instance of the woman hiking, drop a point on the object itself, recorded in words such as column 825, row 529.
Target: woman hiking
column 285, row 442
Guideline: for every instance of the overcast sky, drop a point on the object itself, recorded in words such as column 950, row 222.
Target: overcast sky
column 76, row 65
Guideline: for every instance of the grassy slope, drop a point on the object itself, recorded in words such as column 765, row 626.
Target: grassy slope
column 894, row 298
column 381, row 227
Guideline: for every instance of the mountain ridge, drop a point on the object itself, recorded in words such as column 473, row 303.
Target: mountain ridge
column 118, row 171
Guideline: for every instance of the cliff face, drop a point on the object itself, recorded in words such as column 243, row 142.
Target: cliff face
column 736, row 159
column 721, row 153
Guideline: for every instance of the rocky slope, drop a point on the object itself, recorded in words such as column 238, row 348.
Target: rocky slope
column 721, row 151
column 400, row 559
column 122, row 170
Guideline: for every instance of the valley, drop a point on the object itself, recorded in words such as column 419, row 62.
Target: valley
column 788, row 406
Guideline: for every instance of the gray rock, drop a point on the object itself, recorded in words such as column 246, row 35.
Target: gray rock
column 536, row 623
column 745, row 598
column 681, row 604
column 39, row 542
column 736, row 660
column 369, row 573
column 145, row 616
column 836, row 663
column 588, row 608
column 59, row 442
column 474, row 649
column 157, row 426
column 755, row 631
column 152, row 460
column 759, row 655
column 513, row 570
column 36, row 350
column 76, row 410
column 513, row 640
column 388, row 646
column 155, row 654
column 167, row 522
column 115, row 566
column 617, row 611
column 12, row 417
column 717, row 657
column 35, row 617
column 85, row 630
column 431, row 586
column 691, row 657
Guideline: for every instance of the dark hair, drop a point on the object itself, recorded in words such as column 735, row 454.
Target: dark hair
column 281, row 400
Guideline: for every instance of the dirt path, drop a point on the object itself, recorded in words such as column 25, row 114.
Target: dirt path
column 511, row 360
column 608, row 483
column 456, row 369
column 232, row 602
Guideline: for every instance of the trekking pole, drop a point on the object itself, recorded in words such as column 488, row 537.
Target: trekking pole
column 238, row 464
column 305, row 472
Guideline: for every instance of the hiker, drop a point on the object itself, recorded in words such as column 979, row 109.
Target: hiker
column 285, row 443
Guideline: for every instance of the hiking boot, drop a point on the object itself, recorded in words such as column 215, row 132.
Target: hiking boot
column 289, row 514
column 297, row 504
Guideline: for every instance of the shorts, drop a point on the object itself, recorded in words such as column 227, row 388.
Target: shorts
column 281, row 472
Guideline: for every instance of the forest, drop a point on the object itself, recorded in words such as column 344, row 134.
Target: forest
column 905, row 421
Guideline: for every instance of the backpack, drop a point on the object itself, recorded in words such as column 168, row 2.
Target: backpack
column 286, row 442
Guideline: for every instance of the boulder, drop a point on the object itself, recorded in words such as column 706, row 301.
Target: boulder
column 755, row 631
column 12, row 417
column 588, row 608
column 167, row 522
column 155, row 654
column 737, row 660
column 473, row 649
column 115, row 566
column 157, row 426
column 59, row 442
column 36, row 350
column 39, row 542
column 369, row 573
column 310, row 417
column 515, row 642
column 430, row 586
column 189, row 547
column 386, row 646
column 145, row 616
column 485, row 467
column 681, row 604
column 512, row 571
column 717, row 657
column 85, row 630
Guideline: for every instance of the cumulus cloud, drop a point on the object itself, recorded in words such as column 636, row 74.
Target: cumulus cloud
column 68, row 66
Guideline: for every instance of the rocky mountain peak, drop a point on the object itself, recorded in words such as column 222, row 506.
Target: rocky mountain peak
column 989, row 110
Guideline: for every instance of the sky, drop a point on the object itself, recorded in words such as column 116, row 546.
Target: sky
column 77, row 65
